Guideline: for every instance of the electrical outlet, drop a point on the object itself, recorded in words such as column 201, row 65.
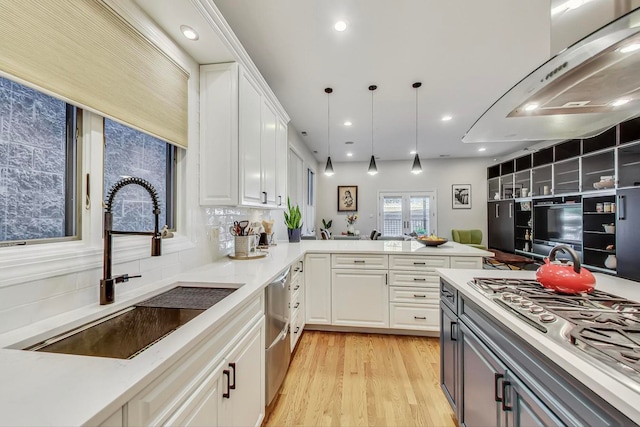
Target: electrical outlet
column 214, row 233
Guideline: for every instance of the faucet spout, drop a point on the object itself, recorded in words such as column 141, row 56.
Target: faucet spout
column 107, row 284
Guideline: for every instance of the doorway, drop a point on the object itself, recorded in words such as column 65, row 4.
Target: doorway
column 401, row 213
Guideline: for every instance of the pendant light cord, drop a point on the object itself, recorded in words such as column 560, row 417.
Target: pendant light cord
column 328, row 91
column 416, row 120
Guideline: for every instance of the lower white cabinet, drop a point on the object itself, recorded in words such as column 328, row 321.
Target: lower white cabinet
column 466, row 262
column 424, row 317
column 317, row 278
column 220, row 382
column 359, row 298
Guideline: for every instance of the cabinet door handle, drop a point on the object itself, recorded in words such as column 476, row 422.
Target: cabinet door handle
column 419, row 279
column 297, row 330
column 296, row 306
column 358, row 261
column 496, row 379
column 301, row 266
column 233, row 386
column 510, row 210
column 419, row 263
column 419, row 317
column 505, row 407
column 419, row 296
column 265, row 197
column 279, row 200
column 453, row 331
column 228, row 393
column 386, row 278
column 621, row 208
column 497, row 211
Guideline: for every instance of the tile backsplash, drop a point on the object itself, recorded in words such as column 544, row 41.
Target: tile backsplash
column 219, row 220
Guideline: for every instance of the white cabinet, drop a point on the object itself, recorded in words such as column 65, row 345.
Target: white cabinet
column 243, row 395
column 219, row 382
column 242, row 153
column 219, row 134
column 297, row 303
column 360, row 261
column 281, row 163
column 317, row 279
column 465, row 262
column 268, row 153
column 359, row 298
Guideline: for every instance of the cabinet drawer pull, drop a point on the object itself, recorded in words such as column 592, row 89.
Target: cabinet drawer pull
column 418, row 279
column 453, row 331
column 301, row 266
column 228, row 393
column 296, row 288
column 233, row 386
column 419, row 317
column 419, row 296
column 297, row 330
column 496, row 381
column 419, row 263
column 505, row 407
column 358, row 261
column 297, row 305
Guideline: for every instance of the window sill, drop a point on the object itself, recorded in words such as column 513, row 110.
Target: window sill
column 20, row 264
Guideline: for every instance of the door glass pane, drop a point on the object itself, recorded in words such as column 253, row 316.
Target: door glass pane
column 392, row 215
column 419, row 214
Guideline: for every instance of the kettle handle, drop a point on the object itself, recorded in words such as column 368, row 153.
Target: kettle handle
column 570, row 251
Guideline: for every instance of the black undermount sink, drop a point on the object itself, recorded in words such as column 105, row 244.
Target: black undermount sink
column 127, row 333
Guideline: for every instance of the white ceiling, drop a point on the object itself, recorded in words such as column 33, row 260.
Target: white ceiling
column 465, row 53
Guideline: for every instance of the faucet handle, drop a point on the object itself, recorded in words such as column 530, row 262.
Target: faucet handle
column 125, row 278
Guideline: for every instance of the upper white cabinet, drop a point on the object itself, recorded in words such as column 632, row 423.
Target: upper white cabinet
column 243, row 140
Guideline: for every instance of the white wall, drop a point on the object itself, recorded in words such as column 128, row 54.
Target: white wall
column 437, row 175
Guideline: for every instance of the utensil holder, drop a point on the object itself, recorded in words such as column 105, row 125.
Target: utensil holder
column 244, row 245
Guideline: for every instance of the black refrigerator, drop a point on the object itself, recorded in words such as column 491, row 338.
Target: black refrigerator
column 627, row 232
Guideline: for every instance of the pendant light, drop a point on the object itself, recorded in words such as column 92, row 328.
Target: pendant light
column 373, row 169
column 416, row 168
column 328, row 169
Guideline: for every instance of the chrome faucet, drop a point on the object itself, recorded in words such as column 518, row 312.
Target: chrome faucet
column 108, row 283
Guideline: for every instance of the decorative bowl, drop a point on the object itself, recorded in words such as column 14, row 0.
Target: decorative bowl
column 432, row 242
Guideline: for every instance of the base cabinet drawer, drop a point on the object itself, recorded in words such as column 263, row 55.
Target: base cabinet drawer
column 413, row 316
column 414, row 295
column 418, row 262
column 414, row 278
column 368, row 261
column 466, row 262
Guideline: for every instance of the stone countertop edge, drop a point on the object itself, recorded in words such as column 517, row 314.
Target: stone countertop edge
column 41, row 388
column 622, row 395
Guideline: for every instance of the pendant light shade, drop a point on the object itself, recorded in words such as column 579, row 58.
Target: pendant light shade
column 416, row 168
column 373, row 168
column 328, row 169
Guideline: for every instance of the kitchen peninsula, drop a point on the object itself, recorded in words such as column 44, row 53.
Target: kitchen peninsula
column 543, row 363
column 182, row 374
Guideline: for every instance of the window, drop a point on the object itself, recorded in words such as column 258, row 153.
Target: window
column 404, row 213
column 128, row 152
column 37, row 165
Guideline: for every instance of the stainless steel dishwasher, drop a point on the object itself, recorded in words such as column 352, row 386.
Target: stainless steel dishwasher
column 278, row 343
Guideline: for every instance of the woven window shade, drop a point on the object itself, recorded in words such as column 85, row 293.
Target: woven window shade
column 82, row 51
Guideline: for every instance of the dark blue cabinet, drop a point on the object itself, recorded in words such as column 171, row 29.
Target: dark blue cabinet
column 449, row 355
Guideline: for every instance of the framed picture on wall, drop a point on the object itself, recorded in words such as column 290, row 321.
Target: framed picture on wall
column 347, row 198
column 461, row 196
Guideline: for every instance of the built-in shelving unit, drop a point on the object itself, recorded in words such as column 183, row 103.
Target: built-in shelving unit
column 599, row 246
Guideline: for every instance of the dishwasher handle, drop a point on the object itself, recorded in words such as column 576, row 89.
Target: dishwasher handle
column 281, row 336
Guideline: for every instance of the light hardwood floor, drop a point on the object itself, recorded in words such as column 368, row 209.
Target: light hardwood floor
column 346, row 379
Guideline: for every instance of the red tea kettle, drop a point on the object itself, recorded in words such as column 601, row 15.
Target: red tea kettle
column 563, row 277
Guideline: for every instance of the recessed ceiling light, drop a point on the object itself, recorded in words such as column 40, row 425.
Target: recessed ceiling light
column 349, row 154
column 348, row 123
column 482, row 149
column 619, row 102
column 340, row 26
column 630, row 48
column 446, row 118
column 412, row 152
column 530, row 107
column 189, row 32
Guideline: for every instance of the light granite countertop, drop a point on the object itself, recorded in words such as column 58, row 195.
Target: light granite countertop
column 39, row 388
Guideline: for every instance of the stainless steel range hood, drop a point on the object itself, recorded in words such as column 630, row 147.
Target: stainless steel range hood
column 577, row 93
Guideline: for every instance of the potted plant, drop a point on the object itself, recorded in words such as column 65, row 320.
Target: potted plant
column 326, row 225
column 293, row 221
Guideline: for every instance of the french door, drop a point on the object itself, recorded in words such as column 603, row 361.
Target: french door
column 406, row 212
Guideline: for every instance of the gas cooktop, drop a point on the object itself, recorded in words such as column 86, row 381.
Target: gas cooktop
column 598, row 324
